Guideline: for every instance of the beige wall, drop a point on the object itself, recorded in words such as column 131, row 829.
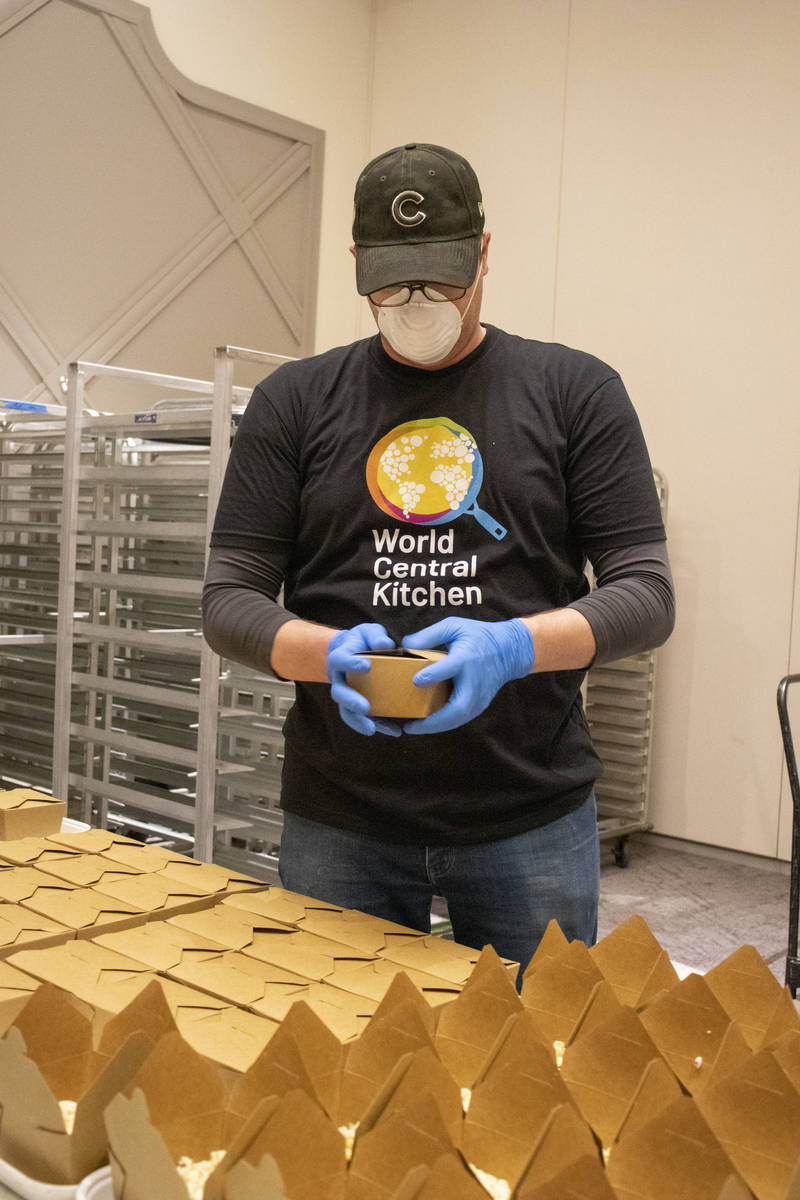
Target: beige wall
column 639, row 167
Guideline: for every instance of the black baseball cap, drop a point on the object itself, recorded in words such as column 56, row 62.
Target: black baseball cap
column 418, row 216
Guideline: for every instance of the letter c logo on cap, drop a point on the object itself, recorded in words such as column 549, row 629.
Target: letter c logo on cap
column 398, row 205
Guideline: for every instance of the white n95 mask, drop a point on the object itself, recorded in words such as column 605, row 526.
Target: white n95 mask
column 423, row 331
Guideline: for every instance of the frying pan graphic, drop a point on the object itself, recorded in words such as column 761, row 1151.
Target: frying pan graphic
column 428, row 472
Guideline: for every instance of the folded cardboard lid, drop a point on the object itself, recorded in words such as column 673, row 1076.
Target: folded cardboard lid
column 583, row 1179
column 86, row 870
column 33, row 851
column 20, row 927
column 754, row 1112
column 615, row 1070
column 290, row 908
column 232, row 928
column 16, row 799
column 552, row 944
column 674, row 1155
column 750, row 994
column 18, row 883
column 633, row 962
column 449, row 1178
column 224, row 1033
column 237, row 977
column 384, row 1153
column 84, row 910
column 441, row 957
column 371, row 1059
column 306, row 1146
column 100, row 977
column 306, row 953
column 345, row 1013
column 303, row 1053
column 209, row 877
column 558, row 990
column 150, row 893
column 372, row 979
column 160, row 944
column 468, row 1027
column 89, row 841
column 694, row 1033
column 509, row 1111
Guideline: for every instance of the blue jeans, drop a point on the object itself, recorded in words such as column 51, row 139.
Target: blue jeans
column 502, row 893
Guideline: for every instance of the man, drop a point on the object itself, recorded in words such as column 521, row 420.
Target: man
column 440, row 485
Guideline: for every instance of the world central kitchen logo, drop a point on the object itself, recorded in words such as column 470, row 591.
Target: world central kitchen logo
column 426, row 473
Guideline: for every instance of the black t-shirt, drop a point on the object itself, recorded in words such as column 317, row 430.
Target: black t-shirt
column 401, row 496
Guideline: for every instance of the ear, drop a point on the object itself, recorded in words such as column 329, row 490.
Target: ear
column 487, row 237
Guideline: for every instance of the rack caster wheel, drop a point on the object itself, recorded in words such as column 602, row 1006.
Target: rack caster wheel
column 621, row 852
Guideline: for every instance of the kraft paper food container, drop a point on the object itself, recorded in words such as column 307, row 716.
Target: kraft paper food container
column 420, row 1073
column 468, row 1028
column 155, row 895
column 225, row 1034
column 25, row 812
column 583, row 1179
column 21, row 927
column 754, row 1112
column 369, row 934
column 175, row 1109
column 389, row 685
column 306, row 953
column 441, row 957
column 633, row 962
column 99, row 977
column 371, row 1060
column 372, row 979
column 209, row 877
column 23, row 1186
column 303, row 1053
column 511, row 1105
column 89, row 841
column 563, row 990
column 160, row 945
column 552, row 944
column 387, row 1149
column 617, row 1078
column 237, row 978
column 83, row 910
column 786, row 1050
column 34, row 851
column 231, row 928
column 301, row 1141
column 695, row 1035
column 16, row 989
column 674, row 1155
column 47, row 1057
column 86, row 870
column 751, row 995
column 448, row 1179
column 18, row 883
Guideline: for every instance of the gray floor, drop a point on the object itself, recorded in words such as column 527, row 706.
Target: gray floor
column 701, row 903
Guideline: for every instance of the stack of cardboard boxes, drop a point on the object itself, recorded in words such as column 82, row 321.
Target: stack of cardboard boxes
column 215, row 1038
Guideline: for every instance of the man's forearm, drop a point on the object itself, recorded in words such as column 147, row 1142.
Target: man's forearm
column 562, row 640
column 300, row 651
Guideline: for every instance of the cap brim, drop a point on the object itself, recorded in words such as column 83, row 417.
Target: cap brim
column 455, row 263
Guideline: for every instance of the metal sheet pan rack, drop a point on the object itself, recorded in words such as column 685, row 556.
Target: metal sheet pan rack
column 140, row 492
column 31, row 479
column 619, row 708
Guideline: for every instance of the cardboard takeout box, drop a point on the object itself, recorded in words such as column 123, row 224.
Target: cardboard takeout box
column 25, row 812
column 389, row 685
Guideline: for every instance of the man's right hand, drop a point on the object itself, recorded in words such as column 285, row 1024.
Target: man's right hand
column 345, row 653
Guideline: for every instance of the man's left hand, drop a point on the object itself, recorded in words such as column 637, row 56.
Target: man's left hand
column 481, row 657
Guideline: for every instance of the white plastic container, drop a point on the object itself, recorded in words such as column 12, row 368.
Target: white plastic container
column 96, row 1186
column 33, row 1189
column 70, row 825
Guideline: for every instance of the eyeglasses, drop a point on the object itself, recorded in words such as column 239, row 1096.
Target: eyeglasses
column 437, row 293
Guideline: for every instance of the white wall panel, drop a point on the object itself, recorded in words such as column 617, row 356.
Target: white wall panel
column 678, row 263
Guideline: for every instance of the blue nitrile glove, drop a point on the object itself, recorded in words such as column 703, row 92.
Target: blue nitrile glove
column 344, row 654
column 481, row 657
